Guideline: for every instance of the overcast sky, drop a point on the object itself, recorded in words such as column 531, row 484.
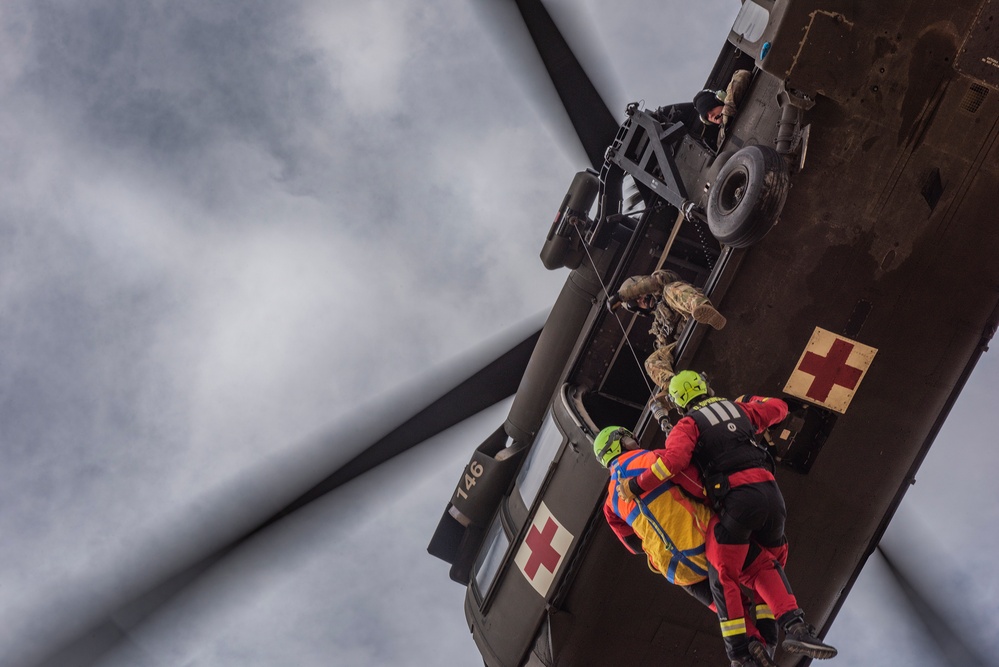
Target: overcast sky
column 235, row 238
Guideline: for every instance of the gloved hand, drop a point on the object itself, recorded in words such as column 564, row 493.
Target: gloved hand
column 721, row 136
column 628, row 492
column 613, row 302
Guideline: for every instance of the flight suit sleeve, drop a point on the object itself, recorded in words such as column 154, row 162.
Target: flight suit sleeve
column 637, row 286
column 674, row 457
column 764, row 412
column 737, row 87
column 629, row 539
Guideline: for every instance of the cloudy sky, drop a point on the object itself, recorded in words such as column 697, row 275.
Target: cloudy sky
column 237, row 238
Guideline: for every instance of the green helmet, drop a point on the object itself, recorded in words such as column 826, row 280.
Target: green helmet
column 607, row 444
column 685, row 386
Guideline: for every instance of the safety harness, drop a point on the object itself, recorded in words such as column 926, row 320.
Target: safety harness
column 678, row 553
column 672, row 548
column 724, row 433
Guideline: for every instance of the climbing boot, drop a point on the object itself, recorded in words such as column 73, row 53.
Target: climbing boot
column 763, row 655
column 707, row 314
column 800, row 638
column 744, row 662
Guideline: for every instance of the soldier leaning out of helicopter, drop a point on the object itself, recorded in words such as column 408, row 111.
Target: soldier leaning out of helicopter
column 720, row 436
column 708, row 117
column 670, row 301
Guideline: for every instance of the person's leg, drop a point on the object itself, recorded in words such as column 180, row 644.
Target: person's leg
column 773, row 586
column 801, row 638
column 766, row 625
column 687, row 299
column 765, row 575
column 702, row 592
column 767, row 579
column 659, row 365
column 758, row 560
column 726, row 552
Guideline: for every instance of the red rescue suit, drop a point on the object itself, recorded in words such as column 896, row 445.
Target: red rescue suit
column 720, row 435
column 688, row 526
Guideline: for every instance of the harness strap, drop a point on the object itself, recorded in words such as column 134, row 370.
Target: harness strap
column 643, row 508
column 750, row 476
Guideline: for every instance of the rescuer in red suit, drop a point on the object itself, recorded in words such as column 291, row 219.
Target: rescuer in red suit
column 720, row 436
column 670, row 525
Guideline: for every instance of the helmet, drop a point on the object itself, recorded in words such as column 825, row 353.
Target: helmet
column 685, row 386
column 607, row 444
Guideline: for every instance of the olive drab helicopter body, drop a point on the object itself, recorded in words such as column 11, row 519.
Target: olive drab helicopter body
column 846, row 228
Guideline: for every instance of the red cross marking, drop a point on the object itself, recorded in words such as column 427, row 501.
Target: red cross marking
column 542, row 552
column 830, row 370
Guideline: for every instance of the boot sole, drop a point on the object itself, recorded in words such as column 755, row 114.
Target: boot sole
column 708, row 315
column 811, row 650
column 759, row 653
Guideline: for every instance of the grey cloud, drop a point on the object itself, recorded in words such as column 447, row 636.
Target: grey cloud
column 358, row 558
column 166, row 76
column 218, row 239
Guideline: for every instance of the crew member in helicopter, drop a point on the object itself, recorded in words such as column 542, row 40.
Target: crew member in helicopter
column 670, row 301
column 708, row 116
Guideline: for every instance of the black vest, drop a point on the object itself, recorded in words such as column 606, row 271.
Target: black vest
column 727, row 442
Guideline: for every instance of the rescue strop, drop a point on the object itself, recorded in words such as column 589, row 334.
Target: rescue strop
column 672, row 548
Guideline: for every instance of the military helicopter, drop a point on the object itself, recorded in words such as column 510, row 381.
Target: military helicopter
column 932, row 170
column 870, row 135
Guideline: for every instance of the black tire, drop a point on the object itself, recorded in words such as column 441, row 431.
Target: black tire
column 746, row 198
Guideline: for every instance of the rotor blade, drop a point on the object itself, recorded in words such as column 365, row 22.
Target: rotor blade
column 491, row 384
column 955, row 648
column 543, row 64
column 592, row 120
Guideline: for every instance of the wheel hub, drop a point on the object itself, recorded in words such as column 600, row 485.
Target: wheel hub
column 733, row 191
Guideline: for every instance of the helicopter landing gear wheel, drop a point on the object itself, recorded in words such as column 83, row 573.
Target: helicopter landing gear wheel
column 747, row 196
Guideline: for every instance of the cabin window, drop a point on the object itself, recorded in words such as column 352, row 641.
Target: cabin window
column 751, row 21
column 539, row 460
column 490, row 557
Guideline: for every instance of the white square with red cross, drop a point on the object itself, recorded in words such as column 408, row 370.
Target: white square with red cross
column 543, row 550
column 830, row 370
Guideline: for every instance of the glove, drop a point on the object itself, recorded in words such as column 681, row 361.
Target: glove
column 629, row 490
column 613, row 302
column 721, row 136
